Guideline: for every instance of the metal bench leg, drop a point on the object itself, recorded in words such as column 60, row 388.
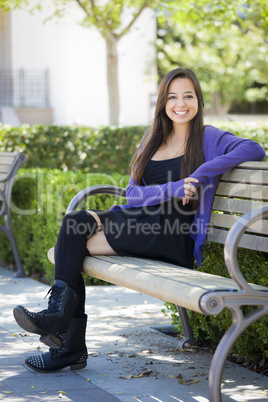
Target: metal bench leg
column 187, row 329
column 240, row 323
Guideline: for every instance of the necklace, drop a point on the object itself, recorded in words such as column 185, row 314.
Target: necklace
column 174, row 153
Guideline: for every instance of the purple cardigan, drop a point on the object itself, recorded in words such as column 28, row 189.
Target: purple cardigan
column 222, row 151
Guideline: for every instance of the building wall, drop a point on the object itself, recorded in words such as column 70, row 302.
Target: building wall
column 76, row 59
column 5, row 40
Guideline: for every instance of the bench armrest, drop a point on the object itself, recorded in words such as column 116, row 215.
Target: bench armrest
column 232, row 242
column 87, row 192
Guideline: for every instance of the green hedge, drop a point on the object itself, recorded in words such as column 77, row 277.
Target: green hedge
column 40, row 198
column 85, row 149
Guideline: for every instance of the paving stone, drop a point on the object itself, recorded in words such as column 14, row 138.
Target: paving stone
column 121, row 343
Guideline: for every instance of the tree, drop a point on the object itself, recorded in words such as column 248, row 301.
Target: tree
column 109, row 18
column 229, row 56
column 115, row 18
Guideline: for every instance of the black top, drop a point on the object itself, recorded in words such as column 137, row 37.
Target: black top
column 158, row 232
column 163, row 171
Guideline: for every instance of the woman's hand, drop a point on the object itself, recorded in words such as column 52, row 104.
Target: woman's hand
column 189, row 189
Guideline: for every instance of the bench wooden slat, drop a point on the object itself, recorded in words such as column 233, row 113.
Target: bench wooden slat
column 246, row 176
column 203, row 280
column 139, row 279
column 7, row 160
column 246, row 191
column 252, row 242
column 227, row 221
column 5, row 168
column 253, row 165
column 3, row 175
column 164, row 281
column 8, row 153
column 236, row 206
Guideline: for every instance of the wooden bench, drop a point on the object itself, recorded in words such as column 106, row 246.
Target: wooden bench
column 243, row 190
column 9, row 164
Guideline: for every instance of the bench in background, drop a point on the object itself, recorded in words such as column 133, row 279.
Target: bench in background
column 9, row 164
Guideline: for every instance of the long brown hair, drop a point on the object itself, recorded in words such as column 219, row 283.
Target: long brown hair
column 162, row 127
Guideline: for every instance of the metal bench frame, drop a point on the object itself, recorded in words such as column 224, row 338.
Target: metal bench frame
column 5, row 199
column 231, row 293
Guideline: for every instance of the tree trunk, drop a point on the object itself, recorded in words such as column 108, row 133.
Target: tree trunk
column 112, row 79
column 218, row 108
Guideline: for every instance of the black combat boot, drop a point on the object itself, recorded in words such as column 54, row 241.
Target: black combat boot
column 52, row 323
column 73, row 352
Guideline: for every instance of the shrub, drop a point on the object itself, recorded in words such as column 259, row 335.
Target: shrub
column 39, row 200
column 86, row 149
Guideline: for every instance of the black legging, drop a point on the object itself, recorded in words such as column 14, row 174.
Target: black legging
column 70, row 251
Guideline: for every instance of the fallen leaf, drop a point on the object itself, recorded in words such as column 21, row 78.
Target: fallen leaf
column 188, row 382
column 176, row 376
column 88, row 379
column 128, row 377
column 105, row 375
column 32, row 386
column 61, row 392
column 183, row 382
column 7, row 392
column 194, row 381
column 145, row 374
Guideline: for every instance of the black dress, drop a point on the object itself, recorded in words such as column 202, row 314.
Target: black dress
column 159, row 232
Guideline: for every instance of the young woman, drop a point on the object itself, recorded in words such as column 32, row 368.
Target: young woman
column 175, row 173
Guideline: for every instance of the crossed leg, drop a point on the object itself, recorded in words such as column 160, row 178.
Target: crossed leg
column 97, row 244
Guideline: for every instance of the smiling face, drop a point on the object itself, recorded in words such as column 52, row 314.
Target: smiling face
column 182, row 103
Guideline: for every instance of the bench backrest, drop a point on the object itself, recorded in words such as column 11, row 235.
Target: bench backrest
column 6, row 161
column 9, row 164
column 241, row 190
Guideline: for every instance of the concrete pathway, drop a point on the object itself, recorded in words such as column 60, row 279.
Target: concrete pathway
column 128, row 360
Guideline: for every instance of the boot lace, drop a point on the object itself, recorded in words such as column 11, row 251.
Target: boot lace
column 56, row 352
column 55, row 298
